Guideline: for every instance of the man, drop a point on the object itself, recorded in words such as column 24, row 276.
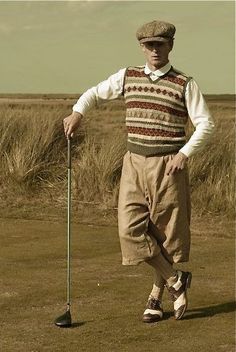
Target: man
column 154, row 203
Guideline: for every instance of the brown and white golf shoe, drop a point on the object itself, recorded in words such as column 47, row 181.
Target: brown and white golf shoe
column 153, row 312
column 178, row 293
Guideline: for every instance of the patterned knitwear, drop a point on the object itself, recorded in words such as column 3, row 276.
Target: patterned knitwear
column 156, row 114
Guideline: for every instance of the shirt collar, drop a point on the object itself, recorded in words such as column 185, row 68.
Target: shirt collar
column 158, row 73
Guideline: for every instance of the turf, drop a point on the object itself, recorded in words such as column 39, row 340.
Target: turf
column 108, row 298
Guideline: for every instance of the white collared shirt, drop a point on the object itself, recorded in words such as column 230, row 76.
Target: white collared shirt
column 195, row 103
column 158, row 73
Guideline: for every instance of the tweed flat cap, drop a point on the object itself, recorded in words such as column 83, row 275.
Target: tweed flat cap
column 155, row 31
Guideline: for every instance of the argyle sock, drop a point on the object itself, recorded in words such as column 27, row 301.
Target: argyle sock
column 158, row 286
column 166, row 270
column 154, row 310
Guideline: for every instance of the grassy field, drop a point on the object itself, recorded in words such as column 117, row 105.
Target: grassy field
column 108, row 299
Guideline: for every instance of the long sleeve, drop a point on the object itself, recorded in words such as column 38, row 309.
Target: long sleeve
column 104, row 91
column 200, row 117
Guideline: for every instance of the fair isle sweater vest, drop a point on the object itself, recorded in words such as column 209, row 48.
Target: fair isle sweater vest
column 156, row 114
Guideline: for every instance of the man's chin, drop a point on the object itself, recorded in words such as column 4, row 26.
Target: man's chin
column 157, row 63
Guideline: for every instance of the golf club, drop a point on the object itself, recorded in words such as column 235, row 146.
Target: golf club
column 65, row 320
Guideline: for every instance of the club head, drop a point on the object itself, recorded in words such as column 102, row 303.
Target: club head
column 64, row 321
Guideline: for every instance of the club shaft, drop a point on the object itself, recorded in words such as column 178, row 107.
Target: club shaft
column 69, row 224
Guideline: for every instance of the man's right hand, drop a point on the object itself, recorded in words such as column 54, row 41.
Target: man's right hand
column 71, row 123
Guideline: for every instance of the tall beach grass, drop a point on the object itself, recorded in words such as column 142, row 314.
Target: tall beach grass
column 33, row 156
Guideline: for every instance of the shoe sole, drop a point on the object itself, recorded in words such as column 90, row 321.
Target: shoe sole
column 152, row 320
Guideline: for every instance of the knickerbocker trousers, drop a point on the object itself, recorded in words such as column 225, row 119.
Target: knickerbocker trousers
column 153, row 210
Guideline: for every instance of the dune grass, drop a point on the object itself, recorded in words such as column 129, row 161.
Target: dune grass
column 212, row 173
column 33, row 155
column 97, row 171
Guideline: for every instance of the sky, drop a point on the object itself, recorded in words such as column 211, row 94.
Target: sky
column 70, row 46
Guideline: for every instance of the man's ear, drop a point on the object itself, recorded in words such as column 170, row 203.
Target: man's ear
column 171, row 43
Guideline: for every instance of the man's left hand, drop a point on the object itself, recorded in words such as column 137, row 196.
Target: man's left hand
column 176, row 164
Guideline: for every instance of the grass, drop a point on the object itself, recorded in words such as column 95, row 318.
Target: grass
column 97, row 171
column 32, row 149
column 33, row 155
column 212, row 170
column 108, row 298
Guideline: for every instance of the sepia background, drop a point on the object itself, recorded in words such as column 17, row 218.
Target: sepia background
column 50, row 52
column 67, row 46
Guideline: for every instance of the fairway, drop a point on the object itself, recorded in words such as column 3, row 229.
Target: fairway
column 107, row 298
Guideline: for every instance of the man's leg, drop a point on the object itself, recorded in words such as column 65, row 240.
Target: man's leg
column 154, row 311
column 164, row 273
column 164, row 268
column 158, row 286
column 169, row 223
column 177, row 283
column 137, row 244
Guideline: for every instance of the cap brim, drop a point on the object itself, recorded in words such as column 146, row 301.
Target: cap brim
column 154, row 39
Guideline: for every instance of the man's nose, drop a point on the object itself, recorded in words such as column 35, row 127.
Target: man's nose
column 156, row 47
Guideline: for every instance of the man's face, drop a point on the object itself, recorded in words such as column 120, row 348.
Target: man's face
column 156, row 53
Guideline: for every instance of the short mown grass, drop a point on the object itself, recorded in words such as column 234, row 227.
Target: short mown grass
column 108, row 299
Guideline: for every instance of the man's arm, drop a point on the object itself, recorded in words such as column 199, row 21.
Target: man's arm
column 107, row 90
column 201, row 119
column 203, row 123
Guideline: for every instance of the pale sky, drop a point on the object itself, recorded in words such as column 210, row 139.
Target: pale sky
column 69, row 46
